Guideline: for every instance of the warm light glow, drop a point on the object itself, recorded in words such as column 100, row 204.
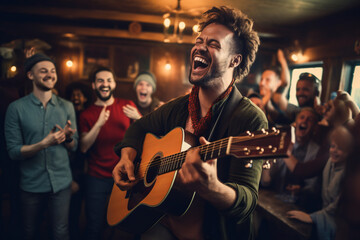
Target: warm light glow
column 168, row 66
column 181, row 26
column 13, row 68
column 69, row 63
column 195, row 28
column 167, row 22
column 294, row 57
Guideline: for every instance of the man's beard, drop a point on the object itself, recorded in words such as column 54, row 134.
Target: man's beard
column 42, row 87
column 208, row 78
column 104, row 99
column 308, row 103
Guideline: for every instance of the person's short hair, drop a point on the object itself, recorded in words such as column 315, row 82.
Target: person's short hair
column 312, row 110
column 313, row 79
column 100, row 69
column 276, row 70
column 246, row 39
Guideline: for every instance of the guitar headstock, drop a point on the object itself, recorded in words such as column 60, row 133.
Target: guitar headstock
column 262, row 144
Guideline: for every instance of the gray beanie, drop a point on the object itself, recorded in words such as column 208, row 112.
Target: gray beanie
column 147, row 77
column 34, row 59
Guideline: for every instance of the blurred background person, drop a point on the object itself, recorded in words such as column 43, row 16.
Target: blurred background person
column 145, row 87
column 341, row 148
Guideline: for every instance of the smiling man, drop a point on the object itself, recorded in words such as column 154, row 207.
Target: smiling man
column 308, row 89
column 145, row 86
column 102, row 125
column 40, row 128
column 226, row 190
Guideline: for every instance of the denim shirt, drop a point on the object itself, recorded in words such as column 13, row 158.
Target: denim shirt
column 27, row 122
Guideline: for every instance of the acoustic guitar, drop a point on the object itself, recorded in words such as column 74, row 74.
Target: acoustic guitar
column 139, row 208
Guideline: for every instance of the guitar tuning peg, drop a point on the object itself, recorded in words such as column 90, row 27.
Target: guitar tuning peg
column 249, row 164
column 267, row 165
column 274, row 161
column 264, row 131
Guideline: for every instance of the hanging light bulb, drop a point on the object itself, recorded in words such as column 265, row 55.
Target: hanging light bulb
column 13, row 68
column 294, row 57
column 167, row 66
column 196, row 28
column 69, row 63
column 181, row 26
column 167, row 22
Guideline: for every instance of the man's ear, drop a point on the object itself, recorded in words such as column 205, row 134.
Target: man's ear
column 30, row 75
column 236, row 60
column 93, row 85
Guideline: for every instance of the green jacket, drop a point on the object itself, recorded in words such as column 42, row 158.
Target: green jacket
column 235, row 222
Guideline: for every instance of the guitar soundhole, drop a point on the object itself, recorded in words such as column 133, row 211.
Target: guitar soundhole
column 153, row 170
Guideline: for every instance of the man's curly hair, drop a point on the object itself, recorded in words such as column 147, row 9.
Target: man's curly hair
column 242, row 26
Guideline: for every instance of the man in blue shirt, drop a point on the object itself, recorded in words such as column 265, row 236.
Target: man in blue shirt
column 40, row 128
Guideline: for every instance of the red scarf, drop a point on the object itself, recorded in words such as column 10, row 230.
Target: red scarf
column 200, row 125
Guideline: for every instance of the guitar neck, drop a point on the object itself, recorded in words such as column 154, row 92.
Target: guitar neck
column 209, row 151
column 258, row 145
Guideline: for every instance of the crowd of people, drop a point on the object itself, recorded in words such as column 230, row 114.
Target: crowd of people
column 312, row 176
column 68, row 151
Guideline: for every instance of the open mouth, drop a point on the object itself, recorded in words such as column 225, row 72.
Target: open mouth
column 302, row 127
column 48, row 79
column 104, row 89
column 200, row 63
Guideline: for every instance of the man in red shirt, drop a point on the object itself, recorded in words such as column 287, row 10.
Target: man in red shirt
column 102, row 125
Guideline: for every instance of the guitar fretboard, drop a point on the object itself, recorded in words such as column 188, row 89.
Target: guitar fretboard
column 209, row 151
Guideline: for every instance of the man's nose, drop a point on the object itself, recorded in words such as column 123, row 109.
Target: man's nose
column 202, row 47
column 50, row 74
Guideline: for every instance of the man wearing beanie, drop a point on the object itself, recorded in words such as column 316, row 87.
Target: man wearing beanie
column 40, row 128
column 145, row 86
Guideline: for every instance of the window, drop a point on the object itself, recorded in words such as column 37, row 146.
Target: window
column 354, row 86
column 295, row 73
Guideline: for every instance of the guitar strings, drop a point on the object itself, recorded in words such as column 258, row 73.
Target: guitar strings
column 204, row 149
column 214, row 145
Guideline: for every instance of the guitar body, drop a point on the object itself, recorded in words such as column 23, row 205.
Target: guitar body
column 154, row 196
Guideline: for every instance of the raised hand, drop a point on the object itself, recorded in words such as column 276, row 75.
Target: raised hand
column 281, row 57
column 103, row 117
column 131, row 112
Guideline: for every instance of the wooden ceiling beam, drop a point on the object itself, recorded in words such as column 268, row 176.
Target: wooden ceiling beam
column 67, row 13
column 88, row 32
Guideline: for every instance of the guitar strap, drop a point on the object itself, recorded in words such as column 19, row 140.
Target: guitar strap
column 221, row 125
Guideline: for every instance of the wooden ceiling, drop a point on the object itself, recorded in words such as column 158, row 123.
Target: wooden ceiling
column 111, row 18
